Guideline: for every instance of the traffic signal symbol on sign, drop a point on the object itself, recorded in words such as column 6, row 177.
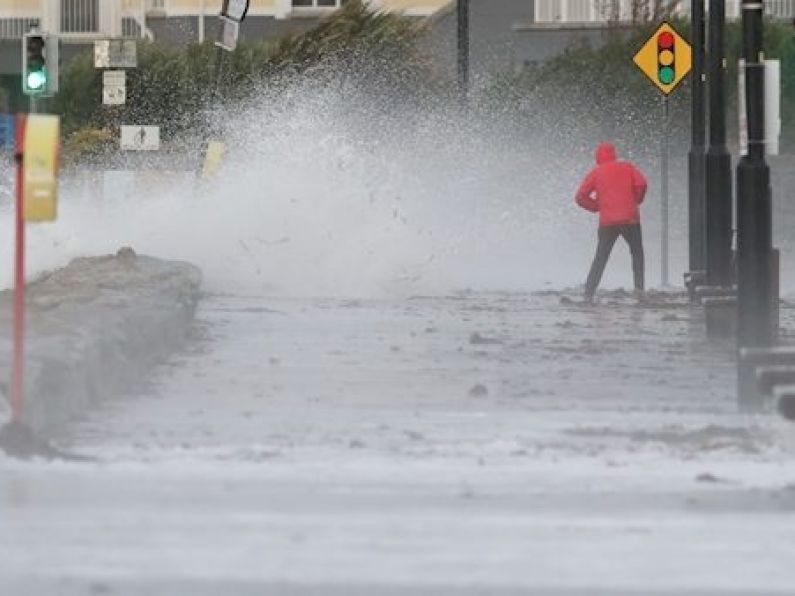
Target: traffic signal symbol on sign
column 666, row 58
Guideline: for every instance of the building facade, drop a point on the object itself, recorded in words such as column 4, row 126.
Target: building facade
column 79, row 20
column 504, row 33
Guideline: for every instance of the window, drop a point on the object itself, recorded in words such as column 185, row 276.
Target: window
column 15, row 28
column 79, row 16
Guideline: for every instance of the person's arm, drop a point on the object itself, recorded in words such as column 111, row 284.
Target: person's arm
column 584, row 197
column 639, row 185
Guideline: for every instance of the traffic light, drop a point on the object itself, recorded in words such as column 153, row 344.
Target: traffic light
column 666, row 64
column 34, row 64
column 40, row 57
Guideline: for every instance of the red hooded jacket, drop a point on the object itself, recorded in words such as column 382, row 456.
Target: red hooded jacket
column 613, row 189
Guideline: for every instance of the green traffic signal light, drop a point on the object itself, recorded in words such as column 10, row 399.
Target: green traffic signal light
column 37, row 80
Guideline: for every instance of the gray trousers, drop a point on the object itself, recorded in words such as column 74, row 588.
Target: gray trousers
column 607, row 237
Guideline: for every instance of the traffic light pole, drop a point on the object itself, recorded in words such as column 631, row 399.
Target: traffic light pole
column 696, row 174
column 718, row 160
column 754, row 210
column 463, row 49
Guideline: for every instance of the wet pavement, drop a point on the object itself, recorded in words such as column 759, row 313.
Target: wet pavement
column 469, row 444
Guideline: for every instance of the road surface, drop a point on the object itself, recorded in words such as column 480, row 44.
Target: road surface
column 476, row 444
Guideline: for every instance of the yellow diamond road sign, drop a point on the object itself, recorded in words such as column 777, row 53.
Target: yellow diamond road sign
column 665, row 58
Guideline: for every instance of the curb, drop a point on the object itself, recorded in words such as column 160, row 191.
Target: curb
column 94, row 330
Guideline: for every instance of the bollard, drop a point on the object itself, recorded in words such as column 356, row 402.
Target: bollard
column 693, row 280
column 720, row 314
column 720, row 310
column 784, row 396
column 749, row 360
column 775, row 292
column 769, row 376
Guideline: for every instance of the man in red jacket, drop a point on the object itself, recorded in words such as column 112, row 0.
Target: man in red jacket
column 614, row 189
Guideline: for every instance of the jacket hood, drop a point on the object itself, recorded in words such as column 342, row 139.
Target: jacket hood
column 605, row 152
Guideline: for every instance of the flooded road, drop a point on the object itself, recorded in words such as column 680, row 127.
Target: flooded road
column 472, row 444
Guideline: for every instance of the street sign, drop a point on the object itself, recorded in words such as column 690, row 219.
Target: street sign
column 115, row 53
column 114, row 87
column 213, row 159
column 140, row 138
column 665, row 58
column 235, row 9
column 230, row 29
column 40, row 167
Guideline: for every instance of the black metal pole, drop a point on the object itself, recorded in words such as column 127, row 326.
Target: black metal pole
column 463, row 48
column 754, row 210
column 697, row 145
column 718, row 160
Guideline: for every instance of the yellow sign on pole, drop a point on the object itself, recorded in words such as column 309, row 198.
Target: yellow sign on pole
column 665, row 58
column 40, row 167
column 213, row 158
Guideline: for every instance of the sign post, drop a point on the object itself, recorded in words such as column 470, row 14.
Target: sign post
column 37, row 140
column 666, row 59
column 18, row 363
column 664, row 202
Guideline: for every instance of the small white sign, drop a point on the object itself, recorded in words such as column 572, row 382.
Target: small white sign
column 114, row 87
column 140, row 138
column 115, row 78
column 114, row 96
column 115, row 53
column 236, row 9
column 229, row 32
column 772, row 94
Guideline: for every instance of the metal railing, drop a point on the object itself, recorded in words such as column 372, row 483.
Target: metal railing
column 79, row 16
column 15, row 28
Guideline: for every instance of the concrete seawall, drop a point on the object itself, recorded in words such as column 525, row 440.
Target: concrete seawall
column 95, row 328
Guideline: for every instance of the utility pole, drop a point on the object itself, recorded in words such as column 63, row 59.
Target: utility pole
column 718, row 160
column 754, row 199
column 463, row 50
column 698, row 129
